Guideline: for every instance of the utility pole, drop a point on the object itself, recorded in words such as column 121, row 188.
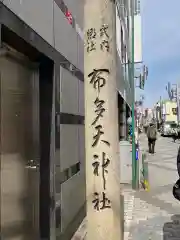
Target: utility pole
column 101, row 122
column 160, row 112
column 134, row 162
column 178, row 103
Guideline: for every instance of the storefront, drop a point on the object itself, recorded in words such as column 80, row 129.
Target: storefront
column 31, row 122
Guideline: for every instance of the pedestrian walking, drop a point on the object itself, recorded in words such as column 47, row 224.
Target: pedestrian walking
column 176, row 187
column 152, row 137
column 178, row 162
column 174, row 134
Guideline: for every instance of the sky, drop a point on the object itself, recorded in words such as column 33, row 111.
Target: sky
column 161, row 46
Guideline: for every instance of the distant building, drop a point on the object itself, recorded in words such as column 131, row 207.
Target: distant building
column 169, row 111
column 137, row 7
column 148, row 116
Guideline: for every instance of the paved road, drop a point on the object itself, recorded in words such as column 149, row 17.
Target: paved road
column 155, row 214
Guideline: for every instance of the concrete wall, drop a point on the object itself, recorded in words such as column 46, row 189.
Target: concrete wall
column 37, row 14
column 46, row 18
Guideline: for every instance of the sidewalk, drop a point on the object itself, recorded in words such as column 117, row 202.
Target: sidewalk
column 156, row 213
column 128, row 216
column 153, row 215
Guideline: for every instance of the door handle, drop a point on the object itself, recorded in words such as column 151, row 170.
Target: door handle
column 32, row 164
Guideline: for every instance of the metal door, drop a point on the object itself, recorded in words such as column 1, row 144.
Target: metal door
column 19, row 152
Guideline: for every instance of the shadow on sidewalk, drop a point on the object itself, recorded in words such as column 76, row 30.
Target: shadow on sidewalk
column 171, row 230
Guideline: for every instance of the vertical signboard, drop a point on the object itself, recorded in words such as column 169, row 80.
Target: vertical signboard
column 137, row 39
column 101, row 122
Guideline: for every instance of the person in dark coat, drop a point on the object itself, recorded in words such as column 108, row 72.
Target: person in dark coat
column 174, row 134
column 152, row 136
column 178, row 162
column 176, row 187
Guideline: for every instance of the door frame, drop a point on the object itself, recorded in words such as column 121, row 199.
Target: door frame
column 10, row 55
column 45, row 67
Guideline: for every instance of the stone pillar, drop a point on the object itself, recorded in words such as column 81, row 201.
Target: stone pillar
column 101, row 123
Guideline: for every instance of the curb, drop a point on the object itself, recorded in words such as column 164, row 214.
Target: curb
column 128, row 214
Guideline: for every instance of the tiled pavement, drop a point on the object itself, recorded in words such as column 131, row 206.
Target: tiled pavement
column 154, row 215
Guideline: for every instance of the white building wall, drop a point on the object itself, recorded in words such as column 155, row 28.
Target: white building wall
column 137, row 39
column 137, row 31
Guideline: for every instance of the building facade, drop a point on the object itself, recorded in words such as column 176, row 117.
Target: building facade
column 169, row 111
column 42, row 115
column 124, row 59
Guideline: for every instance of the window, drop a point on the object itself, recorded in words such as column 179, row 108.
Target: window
column 173, row 125
column 75, row 168
column 174, row 111
column 128, row 25
column 126, row 63
column 122, row 45
column 137, row 7
column 67, row 173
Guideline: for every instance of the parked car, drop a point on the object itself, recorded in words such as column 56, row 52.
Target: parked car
column 167, row 128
